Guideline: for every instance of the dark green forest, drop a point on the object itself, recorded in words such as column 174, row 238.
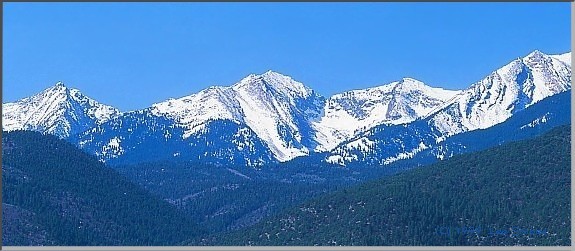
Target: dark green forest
column 55, row 194
column 223, row 198
column 513, row 194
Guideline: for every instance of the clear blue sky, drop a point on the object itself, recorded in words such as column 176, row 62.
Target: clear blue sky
column 131, row 55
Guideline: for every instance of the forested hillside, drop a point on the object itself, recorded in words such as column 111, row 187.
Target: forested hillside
column 224, row 198
column 514, row 194
column 55, row 194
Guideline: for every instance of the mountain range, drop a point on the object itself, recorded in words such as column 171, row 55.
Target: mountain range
column 271, row 118
column 491, row 101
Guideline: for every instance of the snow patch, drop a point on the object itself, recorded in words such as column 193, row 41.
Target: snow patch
column 405, row 155
column 113, row 149
column 238, row 173
column 540, row 120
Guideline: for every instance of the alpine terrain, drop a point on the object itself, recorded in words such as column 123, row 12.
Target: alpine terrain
column 270, row 118
column 505, row 92
column 58, row 110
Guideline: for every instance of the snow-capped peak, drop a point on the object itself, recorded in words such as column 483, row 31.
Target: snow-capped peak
column 279, row 82
column 277, row 107
column 535, row 54
column 57, row 110
column 409, row 85
column 193, row 111
column 273, row 105
column 493, row 100
column 398, row 102
column 505, row 91
column 410, row 81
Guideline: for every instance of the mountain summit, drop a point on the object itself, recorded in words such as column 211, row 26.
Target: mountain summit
column 495, row 98
column 399, row 102
column 58, row 110
column 273, row 105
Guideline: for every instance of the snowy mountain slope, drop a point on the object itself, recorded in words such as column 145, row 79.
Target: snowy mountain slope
column 274, row 106
column 191, row 112
column 530, row 122
column 295, row 121
column 289, row 118
column 355, row 111
column 142, row 136
column 279, row 109
column 535, row 120
column 565, row 58
column 507, row 90
column 260, row 119
column 58, row 110
column 415, row 143
column 513, row 88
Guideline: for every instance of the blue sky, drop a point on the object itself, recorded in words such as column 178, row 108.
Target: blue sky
column 131, row 55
